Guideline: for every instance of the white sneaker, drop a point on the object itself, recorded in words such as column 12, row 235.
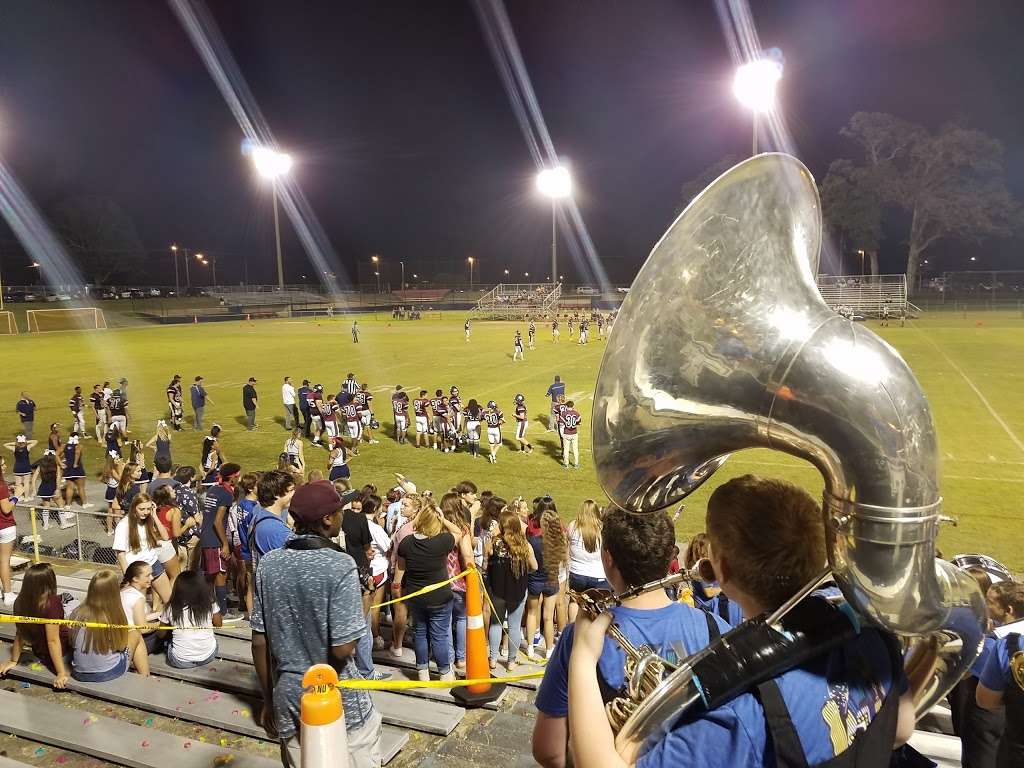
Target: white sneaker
column 449, row 675
column 65, row 526
column 9, row 598
column 423, row 675
column 396, row 652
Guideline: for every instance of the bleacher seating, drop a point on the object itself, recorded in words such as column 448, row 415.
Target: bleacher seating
column 516, row 301
column 866, row 295
column 270, row 299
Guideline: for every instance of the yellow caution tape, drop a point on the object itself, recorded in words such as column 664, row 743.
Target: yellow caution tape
column 424, row 590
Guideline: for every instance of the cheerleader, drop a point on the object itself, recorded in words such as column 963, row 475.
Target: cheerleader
column 114, row 440
column 338, row 462
column 293, row 450
column 161, row 441
column 473, row 414
column 74, row 472
column 54, row 442
column 212, row 457
column 49, row 473
column 22, row 465
column 113, row 468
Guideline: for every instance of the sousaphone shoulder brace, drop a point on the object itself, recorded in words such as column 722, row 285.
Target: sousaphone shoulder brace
column 724, row 343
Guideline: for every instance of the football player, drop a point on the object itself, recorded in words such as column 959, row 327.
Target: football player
column 569, row 323
column 555, row 333
column 363, row 398
column 438, row 414
column 327, row 411
column 517, row 349
column 474, row 413
column 494, row 418
column 521, row 424
column 354, row 426
column 316, row 422
column 456, row 416
column 177, row 409
column 560, row 408
column 465, row 327
column 419, row 410
column 99, row 408
column 531, row 333
column 76, row 404
column 600, row 325
column 571, row 421
column 400, row 408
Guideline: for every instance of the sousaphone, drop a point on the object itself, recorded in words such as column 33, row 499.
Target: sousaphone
column 724, row 343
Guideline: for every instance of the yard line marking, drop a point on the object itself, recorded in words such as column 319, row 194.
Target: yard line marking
column 999, row 419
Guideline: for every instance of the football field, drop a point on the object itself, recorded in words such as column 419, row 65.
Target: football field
column 971, row 368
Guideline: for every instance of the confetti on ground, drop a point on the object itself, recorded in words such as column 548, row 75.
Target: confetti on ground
column 149, row 721
column 202, row 739
column 35, row 666
column 26, row 685
column 144, row 744
column 90, row 720
column 40, row 751
column 213, row 696
column 223, row 760
column 187, row 745
column 62, row 759
column 223, row 742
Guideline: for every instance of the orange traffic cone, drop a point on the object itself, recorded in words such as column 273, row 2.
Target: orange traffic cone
column 323, row 740
column 477, row 667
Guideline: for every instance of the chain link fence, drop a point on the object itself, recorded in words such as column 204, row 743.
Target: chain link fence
column 65, row 533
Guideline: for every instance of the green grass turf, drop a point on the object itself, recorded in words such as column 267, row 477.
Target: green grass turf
column 983, row 466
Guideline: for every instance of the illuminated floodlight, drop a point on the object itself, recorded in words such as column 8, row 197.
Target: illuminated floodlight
column 555, row 182
column 270, row 163
column 755, row 83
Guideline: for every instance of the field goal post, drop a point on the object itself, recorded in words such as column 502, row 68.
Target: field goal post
column 8, row 326
column 76, row 319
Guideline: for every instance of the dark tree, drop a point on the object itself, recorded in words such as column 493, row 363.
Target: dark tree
column 952, row 183
column 852, row 199
column 100, row 237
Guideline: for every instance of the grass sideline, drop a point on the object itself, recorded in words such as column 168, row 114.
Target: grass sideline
column 982, row 465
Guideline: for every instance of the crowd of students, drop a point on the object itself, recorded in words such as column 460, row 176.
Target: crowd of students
column 308, row 561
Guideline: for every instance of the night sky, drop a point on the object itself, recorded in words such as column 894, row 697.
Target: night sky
column 404, row 140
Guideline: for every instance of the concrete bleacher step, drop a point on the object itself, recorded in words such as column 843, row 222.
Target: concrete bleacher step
column 224, row 711
column 944, row 750
column 6, row 762
column 113, row 740
column 231, row 677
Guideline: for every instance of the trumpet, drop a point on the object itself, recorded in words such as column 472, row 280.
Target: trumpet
column 645, row 670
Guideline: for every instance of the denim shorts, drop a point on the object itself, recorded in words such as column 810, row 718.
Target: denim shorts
column 174, row 661
column 107, row 675
column 580, row 583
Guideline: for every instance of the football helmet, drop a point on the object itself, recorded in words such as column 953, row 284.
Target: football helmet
column 454, row 390
column 491, row 404
column 520, row 398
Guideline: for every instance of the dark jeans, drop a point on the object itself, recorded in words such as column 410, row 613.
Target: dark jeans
column 433, row 633
column 250, row 418
column 306, row 421
column 582, row 583
column 103, row 677
column 198, row 419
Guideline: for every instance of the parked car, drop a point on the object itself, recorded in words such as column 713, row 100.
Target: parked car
column 587, row 290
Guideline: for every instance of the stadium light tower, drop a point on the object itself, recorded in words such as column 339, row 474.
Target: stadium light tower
column 272, row 165
column 471, row 261
column 555, row 183
column 754, row 86
column 376, row 269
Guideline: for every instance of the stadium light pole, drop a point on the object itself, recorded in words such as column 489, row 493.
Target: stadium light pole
column 376, row 263
column 272, row 165
column 470, row 260
column 174, row 258
column 555, row 183
column 754, row 86
column 402, row 264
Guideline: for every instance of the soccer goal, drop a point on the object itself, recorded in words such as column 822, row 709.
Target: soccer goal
column 7, row 325
column 80, row 319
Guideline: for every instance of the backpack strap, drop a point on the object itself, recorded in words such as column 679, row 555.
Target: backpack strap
column 713, row 632
column 789, row 753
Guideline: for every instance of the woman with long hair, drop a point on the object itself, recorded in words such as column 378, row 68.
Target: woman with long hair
column 161, row 441
column 102, row 654
column 422, row 561
column 510, row 560
column 127, row 487
column 113, row 468
column 48, row 642
column 114, row 440
column 337, row 461
column 586, row 571
column 293, row 450
column 48, row 472
column 193, row 613
column 245, row 503
column 137, row 537
column 137, row 579
column 381, row 543
column 167, row 513
column 457, row 513
column 411, row 505
column 543, row 585
column 8, row 536
column 22, row 465
column 74, row 472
